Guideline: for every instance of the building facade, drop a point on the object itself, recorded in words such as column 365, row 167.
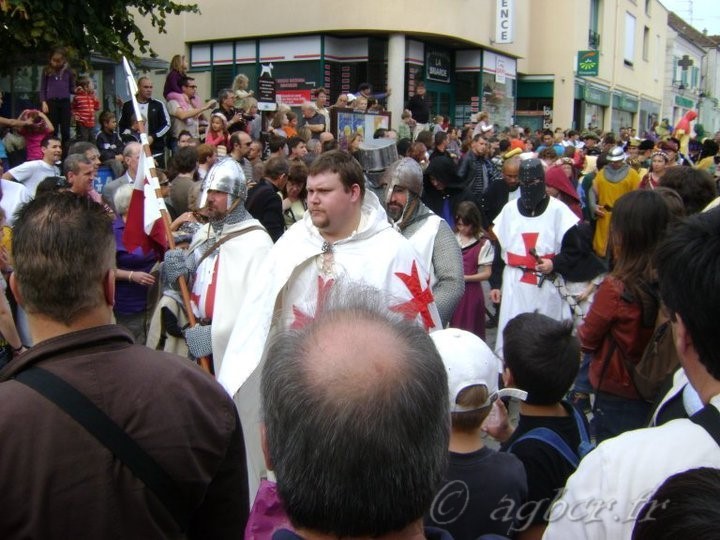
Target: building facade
column 691, row 75
column 516, row 59
column 522, row 61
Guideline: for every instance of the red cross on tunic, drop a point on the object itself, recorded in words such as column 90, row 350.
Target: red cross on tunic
column 302, row 318
column 421, row 298
column 527, row 262
column 209, row 294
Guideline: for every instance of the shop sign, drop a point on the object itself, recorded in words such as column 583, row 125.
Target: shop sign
column 504, row 21
column 596, row 96
column 438, row 67
column 684, row 102
column 500, row 70
column 266, row 90
column 588, row 63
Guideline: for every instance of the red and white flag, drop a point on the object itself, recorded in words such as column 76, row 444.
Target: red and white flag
column 144, row 227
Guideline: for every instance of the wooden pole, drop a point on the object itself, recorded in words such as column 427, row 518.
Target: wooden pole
column 151, row 176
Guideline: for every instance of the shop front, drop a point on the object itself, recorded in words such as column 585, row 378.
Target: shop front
column 594, row 102
column 649, row 114
column 625, row 108
column 534, row 103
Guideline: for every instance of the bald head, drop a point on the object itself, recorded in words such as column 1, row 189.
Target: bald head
column 356, row 416
column 349, row 357
column 510, row 170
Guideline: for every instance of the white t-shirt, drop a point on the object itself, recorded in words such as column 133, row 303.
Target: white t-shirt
column 613, row 482
column 31, row 173
column 14, row 195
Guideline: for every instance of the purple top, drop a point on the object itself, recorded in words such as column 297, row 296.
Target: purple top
column 57, row 85
column 172, row 83
column 130, row 297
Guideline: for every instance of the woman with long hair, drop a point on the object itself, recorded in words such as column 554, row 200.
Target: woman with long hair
column 622, row 317
column 658, row 164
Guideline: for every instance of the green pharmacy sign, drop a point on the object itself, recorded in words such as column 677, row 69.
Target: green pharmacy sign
column 588, row 63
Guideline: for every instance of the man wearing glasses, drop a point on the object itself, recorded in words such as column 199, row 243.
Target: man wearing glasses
column 185, row 116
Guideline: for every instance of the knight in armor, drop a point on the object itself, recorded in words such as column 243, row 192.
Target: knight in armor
column 538, row 240
column 375, row 156
column 222, row 262
column 428, row 233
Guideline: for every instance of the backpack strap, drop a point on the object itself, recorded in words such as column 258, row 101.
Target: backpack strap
column 585, row 443
column 113, row 437
column 709, row 418
column 549, row 437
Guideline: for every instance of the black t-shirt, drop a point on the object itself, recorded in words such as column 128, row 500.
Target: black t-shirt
column 478, row 494
column 547, row 470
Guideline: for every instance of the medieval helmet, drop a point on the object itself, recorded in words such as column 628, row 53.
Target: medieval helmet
column 532, row 182
column 405, row 172
column 227, row 177
column 616, row 154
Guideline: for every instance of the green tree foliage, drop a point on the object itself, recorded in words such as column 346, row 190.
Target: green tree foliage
column 29, row 29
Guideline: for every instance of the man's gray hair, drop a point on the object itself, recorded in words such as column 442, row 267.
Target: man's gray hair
column 131, row 149
column 73, row 161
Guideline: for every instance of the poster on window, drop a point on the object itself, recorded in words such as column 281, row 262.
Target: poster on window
column 346, row 123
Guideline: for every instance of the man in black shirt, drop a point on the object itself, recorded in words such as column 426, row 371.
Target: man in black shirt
column 542, row 358
column 419, row 105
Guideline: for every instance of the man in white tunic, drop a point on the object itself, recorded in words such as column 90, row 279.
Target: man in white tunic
column 344, row 236
column 532, row 232
column 428, row 233
column 222, row 262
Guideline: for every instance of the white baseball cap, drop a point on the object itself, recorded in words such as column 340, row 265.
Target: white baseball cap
column 469, row 362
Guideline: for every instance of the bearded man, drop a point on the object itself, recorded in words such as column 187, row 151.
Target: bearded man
column 427, row 232
column 222, row 262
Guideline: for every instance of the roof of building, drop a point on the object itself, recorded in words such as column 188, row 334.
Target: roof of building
column 692, row 34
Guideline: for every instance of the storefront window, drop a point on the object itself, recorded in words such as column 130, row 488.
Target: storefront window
column 498, row 99
column 621, row 119
column 594, row 116
column 467, row 100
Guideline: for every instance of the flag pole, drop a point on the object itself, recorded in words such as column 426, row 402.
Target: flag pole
column 151, row 176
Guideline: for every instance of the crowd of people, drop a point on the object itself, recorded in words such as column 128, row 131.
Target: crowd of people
column 343, row 312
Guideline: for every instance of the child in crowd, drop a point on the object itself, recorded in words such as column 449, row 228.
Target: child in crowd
column 406, row 125
column 56, row 87
column 35, row 132
column 132, row 134
column 110, row 144
column 292, row 126
column 240, row 87
column 178, row 70
column 478, row 253
column 481, row 484
column 217, row 134
column 83, row 109
column 542, row 358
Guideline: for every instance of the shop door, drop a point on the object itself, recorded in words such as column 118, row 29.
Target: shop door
column 442, row 99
